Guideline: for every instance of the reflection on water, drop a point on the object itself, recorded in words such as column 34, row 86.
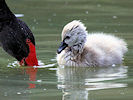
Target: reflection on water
column 31, row 71
column 76, row 82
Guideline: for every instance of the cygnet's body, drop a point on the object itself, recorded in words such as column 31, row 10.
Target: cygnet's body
column 95, row 49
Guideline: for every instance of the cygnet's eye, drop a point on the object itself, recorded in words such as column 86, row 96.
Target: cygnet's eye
column 67, row 37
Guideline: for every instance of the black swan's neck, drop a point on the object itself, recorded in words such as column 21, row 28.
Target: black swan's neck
column 5, row 13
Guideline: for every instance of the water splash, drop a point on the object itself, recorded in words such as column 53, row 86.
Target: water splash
column 15, row 64
column 45, row 66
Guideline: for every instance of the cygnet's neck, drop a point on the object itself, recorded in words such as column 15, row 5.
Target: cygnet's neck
column 74, row 53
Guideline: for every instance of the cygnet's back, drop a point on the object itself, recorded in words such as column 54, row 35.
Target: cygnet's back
column 108, row 49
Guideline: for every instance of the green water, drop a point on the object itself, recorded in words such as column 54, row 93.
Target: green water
column 46, row 19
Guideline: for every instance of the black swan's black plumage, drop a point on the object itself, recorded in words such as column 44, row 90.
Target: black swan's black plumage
column 13, row 33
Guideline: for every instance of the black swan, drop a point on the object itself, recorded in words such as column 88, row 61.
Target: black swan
column 16, row 38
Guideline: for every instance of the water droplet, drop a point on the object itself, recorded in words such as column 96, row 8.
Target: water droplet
column 114, row 17
column 33, row 27
column 49, row 20
column 18, row 92
column 34, row 20
column 5, row 93
column 119, row 24
column 86, row 12
column 105, row 27
column 116, row 31
column 98, row 5
column 39, row 80
column 54, row 14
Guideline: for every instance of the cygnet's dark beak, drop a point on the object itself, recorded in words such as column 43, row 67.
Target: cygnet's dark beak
column 62, row 47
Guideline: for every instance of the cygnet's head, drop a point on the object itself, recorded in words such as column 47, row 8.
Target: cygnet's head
column 73, row 36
